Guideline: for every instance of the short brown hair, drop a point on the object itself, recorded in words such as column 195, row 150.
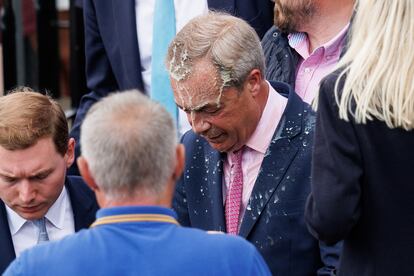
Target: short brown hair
column 27, row 116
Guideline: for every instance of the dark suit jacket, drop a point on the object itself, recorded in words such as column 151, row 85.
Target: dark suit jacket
column 84, row 207
column 274, row 218
column 363, row 191
column 112, row 52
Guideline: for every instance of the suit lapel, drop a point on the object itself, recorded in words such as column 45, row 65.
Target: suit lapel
column 6, row 242
column 126, row 35
column 279, row 156
column 215, row 202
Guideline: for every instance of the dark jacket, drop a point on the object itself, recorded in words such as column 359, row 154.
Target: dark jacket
column 362, row 191
column 281, row 59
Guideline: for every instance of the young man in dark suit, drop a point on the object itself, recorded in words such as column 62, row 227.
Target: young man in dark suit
column 38, row 201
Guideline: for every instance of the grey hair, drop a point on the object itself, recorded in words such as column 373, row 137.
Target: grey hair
column 129, row 143
column 229, row 42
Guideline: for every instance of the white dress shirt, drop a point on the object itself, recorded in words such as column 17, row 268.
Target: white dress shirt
column 185, row 10
column 59, row 223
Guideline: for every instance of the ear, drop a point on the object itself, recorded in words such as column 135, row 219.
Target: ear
column 86, row 173
column 70, row 153
column 180, row 161
column 167, row 196
column 90, row 181
column 254, row 81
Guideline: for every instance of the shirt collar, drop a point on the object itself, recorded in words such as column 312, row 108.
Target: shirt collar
column 15, row 221
column 299, row 42
column 128, row 210
column 261, row 137
column 55, row 214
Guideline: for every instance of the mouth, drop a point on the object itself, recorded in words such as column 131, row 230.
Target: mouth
column 215, row 138
column 30, row 209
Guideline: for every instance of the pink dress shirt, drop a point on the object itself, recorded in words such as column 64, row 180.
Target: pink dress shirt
column 314, row 66
column 256, row 147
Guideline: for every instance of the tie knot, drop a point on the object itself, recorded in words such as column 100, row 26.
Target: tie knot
column 41, row 225
column 236, row 156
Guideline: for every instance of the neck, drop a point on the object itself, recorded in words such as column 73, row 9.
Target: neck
column 135, row 203
column 145, row 200
column 328, row 22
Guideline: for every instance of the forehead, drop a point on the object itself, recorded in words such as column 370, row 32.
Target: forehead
column 41, row 155
column 201, row 87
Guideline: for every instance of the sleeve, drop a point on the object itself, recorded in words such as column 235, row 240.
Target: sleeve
column 99, row 75
column 333, row 207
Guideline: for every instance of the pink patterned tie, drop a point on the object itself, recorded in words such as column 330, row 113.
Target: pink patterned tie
column 234, row 193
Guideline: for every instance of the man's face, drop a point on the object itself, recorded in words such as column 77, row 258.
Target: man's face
column 226, row 120
column 292, row 15
column 32, row 179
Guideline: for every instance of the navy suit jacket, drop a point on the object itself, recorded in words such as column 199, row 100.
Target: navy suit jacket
column 112, row 52
column 274, row 217
column 84, row 208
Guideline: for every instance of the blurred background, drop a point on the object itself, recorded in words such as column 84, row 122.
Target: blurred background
column 42, row 46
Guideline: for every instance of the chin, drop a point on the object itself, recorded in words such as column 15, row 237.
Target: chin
column 32, row 215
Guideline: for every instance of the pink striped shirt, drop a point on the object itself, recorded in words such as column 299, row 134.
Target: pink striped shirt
column 256, row 146
column 314, row 66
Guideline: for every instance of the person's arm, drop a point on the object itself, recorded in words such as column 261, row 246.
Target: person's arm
column 333, row 207
column 99, row 76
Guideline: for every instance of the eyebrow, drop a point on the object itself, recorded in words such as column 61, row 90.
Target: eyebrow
column 7, row 175
column 44, row 172
column 198, row 108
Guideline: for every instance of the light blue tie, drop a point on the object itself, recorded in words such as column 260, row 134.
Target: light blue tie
column 163, row 33
column 41, row 225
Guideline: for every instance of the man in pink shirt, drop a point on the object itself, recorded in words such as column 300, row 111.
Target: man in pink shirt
column 306, row 42
column 247, row 169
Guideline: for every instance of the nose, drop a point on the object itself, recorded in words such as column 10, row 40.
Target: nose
column 197, row 122
column 27, row 192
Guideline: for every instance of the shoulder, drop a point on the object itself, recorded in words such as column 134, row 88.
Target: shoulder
column 273, row 35
column 50, row 257
column 328, row 83
column 81, row 196
column 330, row 87
column 193, row 141
column 218, row 242
column 76, row 184
column 230, row 254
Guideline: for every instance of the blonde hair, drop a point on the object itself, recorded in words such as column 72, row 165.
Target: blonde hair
column 27, row 116
column 378, row 67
